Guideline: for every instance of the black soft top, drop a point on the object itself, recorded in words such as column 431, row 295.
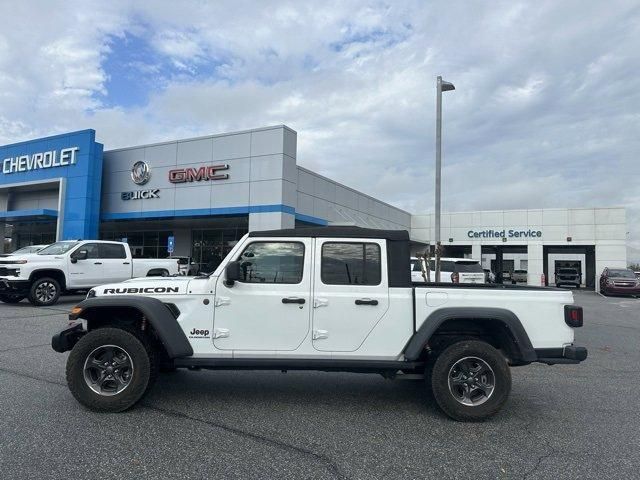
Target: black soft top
column 347, row 231
column 398, row 252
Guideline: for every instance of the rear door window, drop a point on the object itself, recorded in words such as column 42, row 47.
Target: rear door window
column 112, row 250
column 350, row 264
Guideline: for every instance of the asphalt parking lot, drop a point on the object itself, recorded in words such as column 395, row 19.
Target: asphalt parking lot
column 561, row 422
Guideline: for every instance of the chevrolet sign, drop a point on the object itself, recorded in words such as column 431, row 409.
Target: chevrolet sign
column 50, row 159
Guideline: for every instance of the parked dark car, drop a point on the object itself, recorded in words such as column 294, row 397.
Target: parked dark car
column 568, row 276
column 619, row 281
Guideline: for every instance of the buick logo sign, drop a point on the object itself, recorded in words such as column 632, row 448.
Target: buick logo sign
column 140, row 173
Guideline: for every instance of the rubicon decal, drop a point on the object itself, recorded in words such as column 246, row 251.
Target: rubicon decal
column 204, row 173
column 114, row 291
column 196, row 333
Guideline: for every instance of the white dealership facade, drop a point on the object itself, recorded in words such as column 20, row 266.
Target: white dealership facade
column 206, row 192
column 536, row 240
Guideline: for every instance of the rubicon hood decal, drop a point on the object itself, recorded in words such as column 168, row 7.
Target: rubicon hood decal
column 129, row 290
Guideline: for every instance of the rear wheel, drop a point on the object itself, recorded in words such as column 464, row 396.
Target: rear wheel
column 44, row 291
column 11, row 297
column 470, row 380
column 108, row 370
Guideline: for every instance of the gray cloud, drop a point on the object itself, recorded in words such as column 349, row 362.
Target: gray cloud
column 545, row 114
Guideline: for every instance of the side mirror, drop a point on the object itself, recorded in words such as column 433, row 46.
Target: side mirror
column 232, row 273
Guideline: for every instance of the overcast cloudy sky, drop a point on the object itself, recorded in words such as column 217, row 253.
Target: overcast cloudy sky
column 546, row 111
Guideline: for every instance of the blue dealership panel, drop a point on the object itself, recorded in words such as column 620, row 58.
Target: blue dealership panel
column 75, row 157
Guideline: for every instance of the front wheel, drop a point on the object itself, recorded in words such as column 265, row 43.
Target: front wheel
column 44, row 291
column 108, row 370
column 470, row 380
column 11, row 297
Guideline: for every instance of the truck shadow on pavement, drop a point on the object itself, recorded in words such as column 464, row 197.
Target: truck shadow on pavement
column 293, row 391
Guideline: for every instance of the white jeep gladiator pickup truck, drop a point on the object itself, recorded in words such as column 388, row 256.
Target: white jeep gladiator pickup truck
column 73, row 265
column 326, row 298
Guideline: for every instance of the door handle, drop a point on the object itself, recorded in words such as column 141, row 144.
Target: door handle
column 293, row 300
column 320, row 302
column 97, row 263
column 221, row 333
column 320, row 334
column 126, row 263
column 366, row 301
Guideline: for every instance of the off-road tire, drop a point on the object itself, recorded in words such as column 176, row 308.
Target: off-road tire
column 140, row 379
column 442, row 369
column 37, row 299
column 11, row 298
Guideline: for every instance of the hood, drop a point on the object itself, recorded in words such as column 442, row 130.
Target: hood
column 147, row 286
column 29, row 258
column 159, row 280
column 623, row 279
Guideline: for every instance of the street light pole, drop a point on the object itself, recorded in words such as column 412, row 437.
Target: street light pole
column 441, row 87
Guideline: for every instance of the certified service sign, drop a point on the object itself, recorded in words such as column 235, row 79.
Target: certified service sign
column 140, row 173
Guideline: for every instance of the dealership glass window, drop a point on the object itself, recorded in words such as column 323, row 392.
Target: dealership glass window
column 350, row 264
column 272, row 262
column 210, row 246
column 145, row 244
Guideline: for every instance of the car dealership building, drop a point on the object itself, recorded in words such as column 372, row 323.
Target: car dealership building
column 207, row 192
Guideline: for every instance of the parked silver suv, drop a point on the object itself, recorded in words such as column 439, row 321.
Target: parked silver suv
column 568, row 276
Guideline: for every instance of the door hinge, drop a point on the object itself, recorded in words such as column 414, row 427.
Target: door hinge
column 220, row 301
column 320, row 334
column 320, row 302
column 220, row 333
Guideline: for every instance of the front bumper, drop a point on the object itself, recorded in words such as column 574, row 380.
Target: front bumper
column 614, row 290
column 13, row 286
column 568, row 355
column 64, row 340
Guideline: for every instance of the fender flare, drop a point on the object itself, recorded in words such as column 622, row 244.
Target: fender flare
column 155, row 311
column 506, row 317
column 56, row 271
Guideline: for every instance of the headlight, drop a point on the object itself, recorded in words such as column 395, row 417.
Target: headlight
column 19, row 262
column 609, row 282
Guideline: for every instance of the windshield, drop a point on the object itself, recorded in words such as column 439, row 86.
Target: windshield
column 469, row 266
column 622, row 273
column 29, row 249
column 58, row 248
column 568, row 271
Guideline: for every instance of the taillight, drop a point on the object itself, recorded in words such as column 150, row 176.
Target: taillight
column 455, row 277
column 573, row 316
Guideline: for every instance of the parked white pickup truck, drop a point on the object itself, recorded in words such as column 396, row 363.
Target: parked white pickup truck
column 73, row 265
column 331, row 299
column 452, row 270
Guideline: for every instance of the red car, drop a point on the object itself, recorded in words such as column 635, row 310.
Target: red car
column 619, row 281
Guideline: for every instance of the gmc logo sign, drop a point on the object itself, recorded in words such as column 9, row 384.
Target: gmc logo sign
column 182, row 175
